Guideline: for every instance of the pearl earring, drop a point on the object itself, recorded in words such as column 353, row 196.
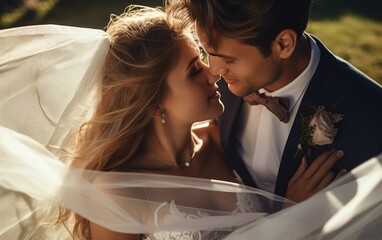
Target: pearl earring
column 163, row 119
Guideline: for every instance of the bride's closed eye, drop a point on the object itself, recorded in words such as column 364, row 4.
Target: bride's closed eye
column 229, row 61
column 196, row 69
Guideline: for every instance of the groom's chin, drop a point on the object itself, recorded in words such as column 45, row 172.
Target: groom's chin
column 237, row 90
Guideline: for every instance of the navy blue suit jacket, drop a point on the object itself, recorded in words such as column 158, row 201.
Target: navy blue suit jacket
column 335, row 82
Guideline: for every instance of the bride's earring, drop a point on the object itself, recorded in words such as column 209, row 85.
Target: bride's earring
column 163, row 119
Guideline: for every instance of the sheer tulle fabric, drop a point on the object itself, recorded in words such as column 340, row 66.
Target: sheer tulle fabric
column 350, row 208
column 48, row 75
column 33, row 178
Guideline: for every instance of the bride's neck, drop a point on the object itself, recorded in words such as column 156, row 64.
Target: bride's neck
column 174, row 144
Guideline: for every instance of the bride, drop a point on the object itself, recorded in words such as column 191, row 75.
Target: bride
column 140, row 119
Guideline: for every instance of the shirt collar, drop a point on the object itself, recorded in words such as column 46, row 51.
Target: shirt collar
column 296, row 88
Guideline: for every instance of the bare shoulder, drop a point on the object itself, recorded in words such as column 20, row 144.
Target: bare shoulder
column 208, row 131
column 215, row 164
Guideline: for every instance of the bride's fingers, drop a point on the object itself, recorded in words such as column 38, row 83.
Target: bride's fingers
column 316, row 164
column 340, row 174
column 310, row 179
column 300, row 171
column 327, row 179
column 326, row 166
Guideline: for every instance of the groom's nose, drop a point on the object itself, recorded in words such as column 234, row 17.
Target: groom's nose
column 216, row 66
column 211, row 78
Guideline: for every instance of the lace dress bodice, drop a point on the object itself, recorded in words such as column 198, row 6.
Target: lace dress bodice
column 244, row 204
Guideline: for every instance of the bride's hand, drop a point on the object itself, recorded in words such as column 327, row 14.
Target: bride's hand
column 308, row 180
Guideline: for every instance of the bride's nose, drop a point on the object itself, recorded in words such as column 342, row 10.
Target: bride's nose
column 212, row 79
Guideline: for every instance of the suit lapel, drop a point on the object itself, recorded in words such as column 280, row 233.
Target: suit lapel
column 319, row 92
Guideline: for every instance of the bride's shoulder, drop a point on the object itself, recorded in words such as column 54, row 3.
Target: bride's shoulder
column 207, row 131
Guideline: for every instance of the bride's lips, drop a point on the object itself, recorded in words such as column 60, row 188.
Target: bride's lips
column 214, row 95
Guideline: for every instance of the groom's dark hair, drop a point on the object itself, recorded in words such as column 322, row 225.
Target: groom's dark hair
column 255, row 22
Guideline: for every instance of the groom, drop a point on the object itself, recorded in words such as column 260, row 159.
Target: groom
column 261, row 50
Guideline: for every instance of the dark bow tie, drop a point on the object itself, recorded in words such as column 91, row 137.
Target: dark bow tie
column 277, row 105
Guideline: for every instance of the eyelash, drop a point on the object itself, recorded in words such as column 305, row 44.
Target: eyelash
column 196, row 72
column 229, row 61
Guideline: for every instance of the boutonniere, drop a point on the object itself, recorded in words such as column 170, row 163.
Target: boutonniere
column 318, row 128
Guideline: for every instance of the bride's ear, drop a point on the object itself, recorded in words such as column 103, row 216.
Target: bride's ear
column 159, row 110
column 160, row 114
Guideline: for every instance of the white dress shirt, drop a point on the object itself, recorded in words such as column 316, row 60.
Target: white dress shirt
column 262, row 136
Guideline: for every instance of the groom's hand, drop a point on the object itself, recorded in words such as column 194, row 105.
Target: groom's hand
column 308, row 180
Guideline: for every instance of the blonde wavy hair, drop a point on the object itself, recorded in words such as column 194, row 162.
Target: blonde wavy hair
column 144, row 48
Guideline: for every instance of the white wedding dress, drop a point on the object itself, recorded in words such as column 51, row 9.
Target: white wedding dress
column 169, row 212
column 48, row 75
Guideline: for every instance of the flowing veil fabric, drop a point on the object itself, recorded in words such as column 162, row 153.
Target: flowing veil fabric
column 350, row 208
column 48, row 75
column 34, row 182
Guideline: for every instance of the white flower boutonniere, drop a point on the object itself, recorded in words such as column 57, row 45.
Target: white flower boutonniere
column 318, row 129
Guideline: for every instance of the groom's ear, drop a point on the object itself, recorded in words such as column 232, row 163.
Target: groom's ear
column 286, row 43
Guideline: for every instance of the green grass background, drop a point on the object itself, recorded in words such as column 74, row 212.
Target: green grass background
column 352, row 29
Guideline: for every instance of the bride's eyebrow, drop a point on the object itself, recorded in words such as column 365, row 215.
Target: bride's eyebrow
column 192, row 62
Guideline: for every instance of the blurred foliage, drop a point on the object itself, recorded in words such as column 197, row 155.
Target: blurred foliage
column 13, row 12
column 82, row 13
column 334, row 9
column 354, row 38
column 351, row 29
column 91, row 13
